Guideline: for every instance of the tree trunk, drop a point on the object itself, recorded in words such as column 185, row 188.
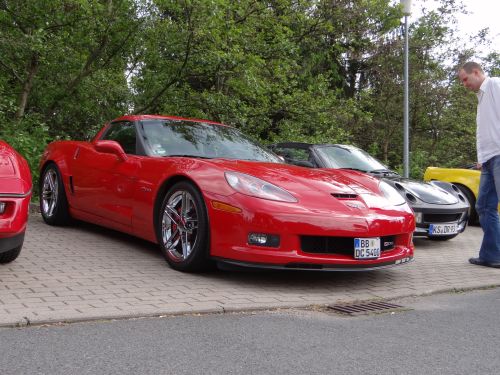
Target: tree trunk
column 27, row 86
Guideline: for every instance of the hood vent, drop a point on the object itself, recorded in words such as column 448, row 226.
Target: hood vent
column 344, row 196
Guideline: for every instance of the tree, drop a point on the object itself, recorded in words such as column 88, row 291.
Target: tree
column 55, row 54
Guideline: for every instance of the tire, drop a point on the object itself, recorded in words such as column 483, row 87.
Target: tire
column 53, row 202
column 10, row 255
column 473, row 217
column 442, row 238
column 182, row 229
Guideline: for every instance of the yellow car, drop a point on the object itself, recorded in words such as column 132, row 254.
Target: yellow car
column 466, row 179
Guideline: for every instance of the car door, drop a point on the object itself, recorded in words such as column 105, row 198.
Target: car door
column 103, row 183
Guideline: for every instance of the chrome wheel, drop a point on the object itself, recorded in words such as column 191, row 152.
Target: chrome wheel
column 50, row 191
column 53, row 203
column 179, row 225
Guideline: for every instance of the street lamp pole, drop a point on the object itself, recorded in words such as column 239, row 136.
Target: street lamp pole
column 406, row 132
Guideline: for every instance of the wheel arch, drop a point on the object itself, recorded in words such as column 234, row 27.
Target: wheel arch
column 162, row 190
column 63, row 169
column 464, row 186
column 59, row 160
column 466, row 190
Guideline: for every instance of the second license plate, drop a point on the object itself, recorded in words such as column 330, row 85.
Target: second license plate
column 442, row 229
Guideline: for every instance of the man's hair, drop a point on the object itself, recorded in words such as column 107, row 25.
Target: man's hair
column 468, row 67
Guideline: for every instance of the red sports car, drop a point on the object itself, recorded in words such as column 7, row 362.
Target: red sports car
column 204, row 192
column 15, row 195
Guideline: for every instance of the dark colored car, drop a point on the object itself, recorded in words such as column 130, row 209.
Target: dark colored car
column 204, row 192
column 15, row 195
column 441, row 210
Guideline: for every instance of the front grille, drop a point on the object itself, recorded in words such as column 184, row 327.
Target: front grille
column 441, row 218
column 338, row 245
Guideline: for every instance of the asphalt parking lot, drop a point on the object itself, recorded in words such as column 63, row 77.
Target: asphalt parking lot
column 84, row 272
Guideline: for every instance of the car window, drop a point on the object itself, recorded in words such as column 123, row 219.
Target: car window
column 293, row 154
column 124, row 133
column 198, row 139
column 337, row 156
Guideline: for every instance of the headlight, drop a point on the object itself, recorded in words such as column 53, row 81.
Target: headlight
column 255, row 187
column 391, row 194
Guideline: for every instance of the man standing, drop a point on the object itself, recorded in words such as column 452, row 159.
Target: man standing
column 488, row 156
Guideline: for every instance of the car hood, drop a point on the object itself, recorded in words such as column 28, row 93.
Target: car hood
column 314, row 184
column 424, row 191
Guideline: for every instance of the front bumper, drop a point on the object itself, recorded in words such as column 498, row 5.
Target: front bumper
column 14, row 218
column 318, row 267
column 457, row 216
column 10, row 243
column 319, row 239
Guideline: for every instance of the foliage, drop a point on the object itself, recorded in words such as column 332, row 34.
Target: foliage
column 29, row 137
column 304, row 70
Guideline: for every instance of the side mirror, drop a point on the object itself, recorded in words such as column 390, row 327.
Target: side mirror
column 111, row 147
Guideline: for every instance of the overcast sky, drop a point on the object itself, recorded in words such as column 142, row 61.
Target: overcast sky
column 483, row 13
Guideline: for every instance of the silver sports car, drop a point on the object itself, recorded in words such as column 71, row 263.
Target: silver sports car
column 441, row 210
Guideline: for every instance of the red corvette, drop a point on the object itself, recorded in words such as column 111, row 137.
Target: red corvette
column 204, row 193
column 15, row 195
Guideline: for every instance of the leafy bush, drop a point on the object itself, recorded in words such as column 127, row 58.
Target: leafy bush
column 29, row 137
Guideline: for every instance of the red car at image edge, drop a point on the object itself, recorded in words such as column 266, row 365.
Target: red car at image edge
column 206, row 193
column 15, row 196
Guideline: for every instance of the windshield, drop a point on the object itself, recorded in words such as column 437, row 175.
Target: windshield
column 350, row 157
column 198, row 139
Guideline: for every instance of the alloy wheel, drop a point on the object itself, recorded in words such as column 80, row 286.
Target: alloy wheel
column 49, row 192
column 179, row 227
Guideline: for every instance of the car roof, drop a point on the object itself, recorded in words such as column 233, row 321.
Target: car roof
column 305, row 145
column 163, row 117
column 293, row 144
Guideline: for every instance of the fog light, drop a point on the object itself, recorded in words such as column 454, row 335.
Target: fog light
column 263, row 239
column 2, row 207
column 418, row 217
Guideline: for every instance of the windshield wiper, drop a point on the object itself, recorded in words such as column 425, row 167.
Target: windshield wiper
column 354, row 169
column 384, row 172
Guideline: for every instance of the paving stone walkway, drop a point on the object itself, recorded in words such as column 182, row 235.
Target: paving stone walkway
column 84, row 272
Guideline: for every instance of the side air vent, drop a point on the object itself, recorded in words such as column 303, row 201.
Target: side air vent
column 344, row 196
column 399, row 187
column 411, row 197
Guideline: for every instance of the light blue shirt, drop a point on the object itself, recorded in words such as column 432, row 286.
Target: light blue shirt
column 488, row 120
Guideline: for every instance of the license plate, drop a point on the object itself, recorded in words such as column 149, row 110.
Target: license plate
column 442, row 229
column 367, row 248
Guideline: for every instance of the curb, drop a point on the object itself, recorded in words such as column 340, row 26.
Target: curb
column 220, row 310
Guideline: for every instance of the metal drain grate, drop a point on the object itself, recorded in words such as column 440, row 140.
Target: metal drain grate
column 365, row 308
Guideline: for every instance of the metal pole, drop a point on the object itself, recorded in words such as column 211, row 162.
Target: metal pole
column 406, row 142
